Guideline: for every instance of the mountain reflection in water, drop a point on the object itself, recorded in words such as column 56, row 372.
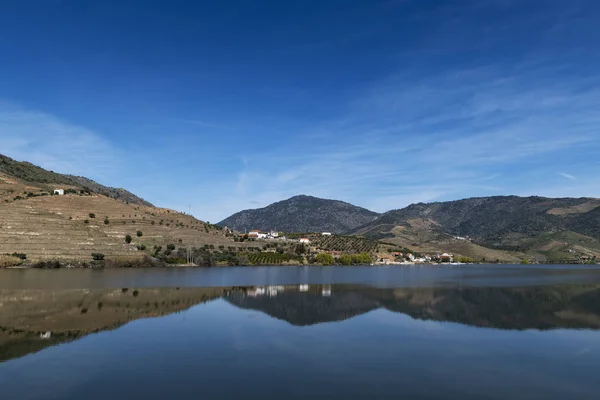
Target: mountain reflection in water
column 25, row 315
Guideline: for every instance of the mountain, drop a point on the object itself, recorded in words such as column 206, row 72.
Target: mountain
column 29, row 173
column 302, row 214
column 547, row 228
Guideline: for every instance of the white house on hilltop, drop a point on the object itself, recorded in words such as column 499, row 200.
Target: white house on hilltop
column 304, row 240
column 326, row 234
column 60, row 192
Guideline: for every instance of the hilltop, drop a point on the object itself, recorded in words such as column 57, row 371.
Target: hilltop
column 25, row 172
column 499, row 227
column 302, row 214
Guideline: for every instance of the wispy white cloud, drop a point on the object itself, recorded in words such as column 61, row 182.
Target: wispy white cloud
column 55, row 144
column 461, row 133
column 568, row 176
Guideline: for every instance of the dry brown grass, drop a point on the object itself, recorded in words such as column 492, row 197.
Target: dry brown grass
column 9, row 261
column 54, row 227
column 579, row 209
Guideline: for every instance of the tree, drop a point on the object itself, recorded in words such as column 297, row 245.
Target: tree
column 92, row 215
column 345, row 259
column 300, row 249
column 325, row 259
column 128, row 239
column 139, row 234
column 97, row 256
column 106, row 221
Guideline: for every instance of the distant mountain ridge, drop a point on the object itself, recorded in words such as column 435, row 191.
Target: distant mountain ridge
column 302, row 214
column 28, row 172
column 489, row 218
column 512, row 223
column 505, row 228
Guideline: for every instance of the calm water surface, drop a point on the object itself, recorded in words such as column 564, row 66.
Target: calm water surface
column 474, row 332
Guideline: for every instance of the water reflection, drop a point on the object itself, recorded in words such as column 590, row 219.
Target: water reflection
column 31, row 320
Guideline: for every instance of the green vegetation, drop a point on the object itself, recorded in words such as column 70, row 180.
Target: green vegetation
column 128, row 239
column 355, row 259
column 97, row 256
column 21, row 256
column 325, row 259
column 139, row 234
column 92, row 215
column 106, row 221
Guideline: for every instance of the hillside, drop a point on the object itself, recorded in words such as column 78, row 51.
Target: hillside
column 89, row 218
column 28, row 173
column 302, row 214
column 503, row 226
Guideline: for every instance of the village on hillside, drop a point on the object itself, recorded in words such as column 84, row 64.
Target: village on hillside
column 315, row 245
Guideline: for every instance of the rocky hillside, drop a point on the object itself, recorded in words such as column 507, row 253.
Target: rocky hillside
column 302, row 214
column 545, row 227
column 29, row 173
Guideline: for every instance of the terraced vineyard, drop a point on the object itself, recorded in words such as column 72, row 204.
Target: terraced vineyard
column 347, row 244
column 73, row 227
column 266, row 258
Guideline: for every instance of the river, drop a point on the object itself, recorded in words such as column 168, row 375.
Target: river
column 464, row 332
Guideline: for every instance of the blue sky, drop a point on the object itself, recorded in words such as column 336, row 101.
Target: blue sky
column 229, row 105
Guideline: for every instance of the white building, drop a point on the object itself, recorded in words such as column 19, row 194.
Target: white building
column 304, row 240
column 326, row 234
column 256, row 234
column 303, row 288
column 59, row 192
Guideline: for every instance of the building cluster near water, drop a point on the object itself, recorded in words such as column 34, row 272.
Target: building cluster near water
column 381, row 259
column 274, row 235
column 409, row 258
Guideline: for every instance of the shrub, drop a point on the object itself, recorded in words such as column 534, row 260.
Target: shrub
column 106, row 221
column 92, row 215
column 22, row 256
column 128, row 239
column 97, row 256
column 9, row 261
column 86, row 221
column 141, row 247
column 139, row 234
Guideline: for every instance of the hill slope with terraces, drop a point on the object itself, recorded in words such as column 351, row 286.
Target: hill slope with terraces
column 44, row 226
column 27, row 173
